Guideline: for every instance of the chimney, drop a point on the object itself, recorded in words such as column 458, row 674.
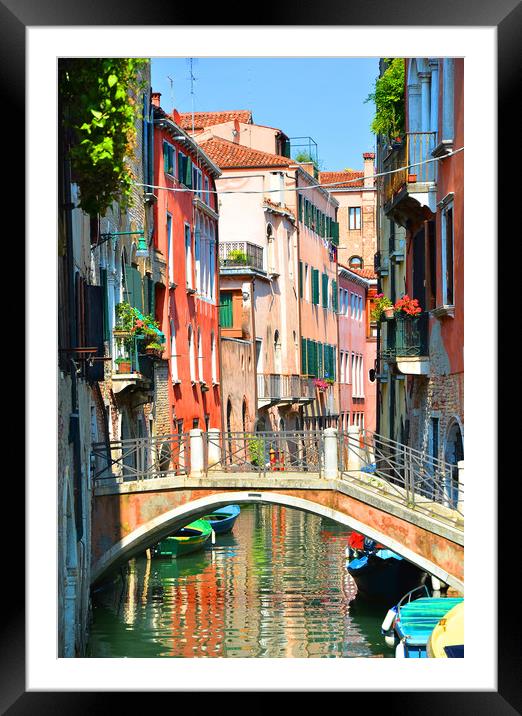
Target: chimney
column 176, row 117
column 155, row 97
column 368, row 168
column 308, row 167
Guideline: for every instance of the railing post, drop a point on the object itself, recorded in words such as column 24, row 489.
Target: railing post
column 460, row 503
column 331, row 467
column 214, row 449
column 197, row 457
column 354, row 454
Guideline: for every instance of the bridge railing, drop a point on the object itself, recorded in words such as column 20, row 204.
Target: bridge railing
column 141, row 458
column 411, row 476
column 265, row 452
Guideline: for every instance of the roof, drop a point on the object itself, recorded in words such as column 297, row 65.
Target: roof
column 342, row 178
column 366, row 273
column 231, row 155
column 207, row 119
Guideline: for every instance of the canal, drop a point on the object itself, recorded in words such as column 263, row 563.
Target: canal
column 274, row 587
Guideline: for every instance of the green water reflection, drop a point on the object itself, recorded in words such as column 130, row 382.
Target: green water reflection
column 275, row 587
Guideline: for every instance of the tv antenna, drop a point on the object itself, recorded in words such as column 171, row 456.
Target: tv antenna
column 193, row 79
column 171, row 80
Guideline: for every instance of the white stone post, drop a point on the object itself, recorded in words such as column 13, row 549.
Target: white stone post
column 460, row 504
column 331, row 467
column 197, row 458
column 354, row 450
column 214, row 449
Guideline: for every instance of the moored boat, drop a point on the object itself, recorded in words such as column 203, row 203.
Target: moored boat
column 411, row 622
column 380, row 574
column 222, row 520
column 447, row 638
column 186, row 540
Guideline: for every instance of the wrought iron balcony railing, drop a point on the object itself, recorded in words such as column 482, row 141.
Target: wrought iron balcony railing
column 406, row 337
column 414, row 147
column 241, row 254
column 130, row 358
column 274, row 386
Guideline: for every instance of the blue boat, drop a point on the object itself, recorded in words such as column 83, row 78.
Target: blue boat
column 380, row 574
column 411, row 622
column 223, row 519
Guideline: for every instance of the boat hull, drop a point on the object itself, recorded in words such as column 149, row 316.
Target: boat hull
column 223, row 520
column 416, row 621
column 189, row 539
column 384, row 580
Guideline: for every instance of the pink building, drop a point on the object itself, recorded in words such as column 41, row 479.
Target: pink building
column 357, row 349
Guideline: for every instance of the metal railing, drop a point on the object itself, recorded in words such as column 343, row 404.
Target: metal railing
column 265, row 452
column 276, row 386
column 406, row 336
column 415, row 147
column 131, row 347
column 402, row 473
column 244, row 254
column 141, row 458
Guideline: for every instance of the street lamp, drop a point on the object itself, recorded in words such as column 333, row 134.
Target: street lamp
column 142, row 251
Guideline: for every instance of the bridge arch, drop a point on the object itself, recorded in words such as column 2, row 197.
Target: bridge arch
column 159, row 527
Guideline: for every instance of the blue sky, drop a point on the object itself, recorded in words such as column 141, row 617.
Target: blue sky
column 318, row 97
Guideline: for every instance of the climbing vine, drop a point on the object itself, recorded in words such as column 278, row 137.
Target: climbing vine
column 389, row 100
column 100, row 109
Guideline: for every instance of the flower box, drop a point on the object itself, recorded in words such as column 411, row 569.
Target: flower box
column 124, row 366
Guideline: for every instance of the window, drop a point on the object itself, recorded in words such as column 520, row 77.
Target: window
column 315, row 286
column 354, row 217
column 307, row 283
column 188, row 256
column 197, row 180
column 447, row 255
column 192, row 358
column 225, row 310
column 173, row 356
column 448, row 101
column 207, row 193
column 169, row 159
column 213, row 357
column 185, row 170
column 355, row 262
column 170, row 248
column 324, row 291
column 200, row 358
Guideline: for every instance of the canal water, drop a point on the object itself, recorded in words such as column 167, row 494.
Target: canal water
column 274, row 587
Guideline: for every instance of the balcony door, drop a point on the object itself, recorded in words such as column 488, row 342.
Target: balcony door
column 419, row 268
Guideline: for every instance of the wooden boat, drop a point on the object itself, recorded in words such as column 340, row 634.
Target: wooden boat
column 447, row 638
column 411, row 622
column 380, row 574
column 223, row 519
column 186, row 540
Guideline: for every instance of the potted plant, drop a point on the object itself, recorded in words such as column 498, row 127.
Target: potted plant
column 407, row 306
column 154, row 350
column 382, row 307
column 321, row 384
column 412, row 177
column 123, row 365
column 236, row 258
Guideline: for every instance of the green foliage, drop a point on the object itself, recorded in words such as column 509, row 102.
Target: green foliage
column 306, row 157
column 237, row 257
column 155, row 346
column 100, row 107
column 389, row 100
column 256, row 450
column 142, row 327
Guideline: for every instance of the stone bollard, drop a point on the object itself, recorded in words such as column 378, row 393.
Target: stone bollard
column 197, row 457
column 460, row 504
column 331, row 466
column 214, row 449
column 354, row 448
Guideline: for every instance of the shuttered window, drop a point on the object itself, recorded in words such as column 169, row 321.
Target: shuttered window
column 169, row 154
column 103, row 282
column 315, row 286
column 304, row 369
column 94, row 335
column 335, row 296
column 320, row 360
column 225, row 310
column 133, row 287
column 324, row 291
column 300, row 279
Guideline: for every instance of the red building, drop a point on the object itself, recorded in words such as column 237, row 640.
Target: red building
column 186, row 234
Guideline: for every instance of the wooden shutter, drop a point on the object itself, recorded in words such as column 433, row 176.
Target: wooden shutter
column 304, row 369
column 225, row 310
column 188, row 173
column 300, row 279
column 134, row 287
column 103, row 282
column 324, row 290
column 335, row 297
column 94, row 329
column 315, row 286
column 320, row 360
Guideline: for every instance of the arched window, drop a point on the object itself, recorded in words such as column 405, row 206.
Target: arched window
column 355, row 262
column 270, row 249
column 200, row 357
column 277, row 353
column 192, row 360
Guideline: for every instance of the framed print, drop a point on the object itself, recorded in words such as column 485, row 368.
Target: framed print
column 34, row 37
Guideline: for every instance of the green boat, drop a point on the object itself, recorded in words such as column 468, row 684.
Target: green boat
column 186, row 540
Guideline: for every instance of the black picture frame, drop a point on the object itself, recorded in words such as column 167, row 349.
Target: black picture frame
column 506, row 16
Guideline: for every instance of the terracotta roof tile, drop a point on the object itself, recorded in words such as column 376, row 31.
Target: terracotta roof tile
column 364, row 272
column 229, row 154
column 207, row 119
column 341, row 178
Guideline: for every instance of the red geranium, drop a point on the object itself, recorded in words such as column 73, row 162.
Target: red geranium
column 408, row 305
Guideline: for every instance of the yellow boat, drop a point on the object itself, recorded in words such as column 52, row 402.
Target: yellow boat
column 447, row 639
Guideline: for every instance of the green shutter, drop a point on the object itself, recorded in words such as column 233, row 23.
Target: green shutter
column 304, row 370
column 335, row 296
column 324, row 290
column 315, row 286
column 225, row 310
column 188, row 173
column 300, row 205
column 335, row 233
column 320, row 360
column 133, row 293
column 300, row 279
column 180, row 166
column 103, row 283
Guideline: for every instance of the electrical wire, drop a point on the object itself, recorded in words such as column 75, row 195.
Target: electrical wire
column 340, row 184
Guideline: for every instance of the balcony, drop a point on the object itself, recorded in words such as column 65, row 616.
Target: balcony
column 381, row 263
column 410, row 188
column 236, row 257
column 133, row 368
column 277, row 388
column 406, row 343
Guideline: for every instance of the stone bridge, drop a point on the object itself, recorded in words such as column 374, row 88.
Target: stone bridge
column 130, row 516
